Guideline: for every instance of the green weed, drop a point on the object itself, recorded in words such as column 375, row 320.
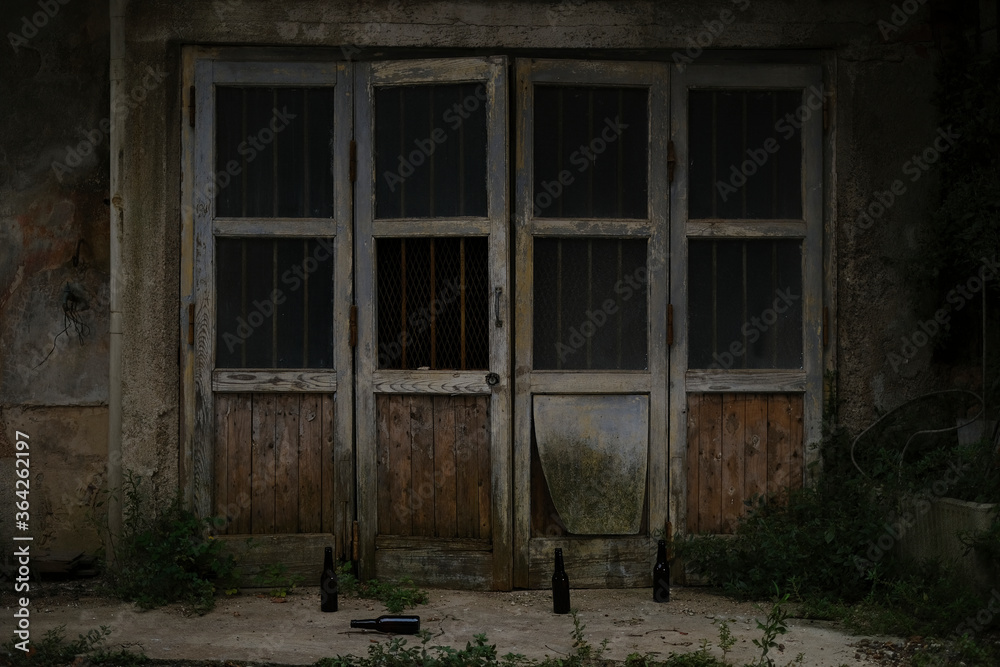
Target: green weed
column 395, row 595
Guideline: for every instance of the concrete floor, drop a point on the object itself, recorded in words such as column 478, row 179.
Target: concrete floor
column 248, row 628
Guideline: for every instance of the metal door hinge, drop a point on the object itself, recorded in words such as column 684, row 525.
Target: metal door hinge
column 353, row 327
column 354, row 161
column 670, row 324
column 671, row 161
column 191, row 106
column 190, row 324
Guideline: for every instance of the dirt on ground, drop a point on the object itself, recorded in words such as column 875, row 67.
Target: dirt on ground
column 252, row 627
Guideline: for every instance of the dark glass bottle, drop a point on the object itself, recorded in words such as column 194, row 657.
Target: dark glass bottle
column 328, row 583
column 661, row 574
column 392, row 623
column 560, row 586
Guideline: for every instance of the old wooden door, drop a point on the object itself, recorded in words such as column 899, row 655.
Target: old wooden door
column 433, row 325
column 591, row 360
column 271, row 443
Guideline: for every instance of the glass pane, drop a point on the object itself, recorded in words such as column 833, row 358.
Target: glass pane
column 273, row 153
column 433, row 303
column 590, row 152
column 274, row 303
column 745, row 151
column 745, row 304
column 590, row 304
column 430, row 151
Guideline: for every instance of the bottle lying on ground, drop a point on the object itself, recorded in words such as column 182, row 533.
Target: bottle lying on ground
column 390, row 623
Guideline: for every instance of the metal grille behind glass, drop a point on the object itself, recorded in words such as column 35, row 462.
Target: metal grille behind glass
column 433, row 303
column 273, row 150
column 745, row 304
column 590, row 304
column 274, row 303
column 745, row 155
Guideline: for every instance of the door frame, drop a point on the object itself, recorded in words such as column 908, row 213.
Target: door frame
column 492, row 71
column 590, row 556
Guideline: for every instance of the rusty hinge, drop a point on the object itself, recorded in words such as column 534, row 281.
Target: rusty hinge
column 190, row 324
column 191, row 106
column 670, row 324
column 354, row 161
column 671, row 161
column 353, row 330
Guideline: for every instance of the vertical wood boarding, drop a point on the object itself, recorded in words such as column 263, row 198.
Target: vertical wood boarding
column 275, row 470
column 740, row 446
column 434, row 466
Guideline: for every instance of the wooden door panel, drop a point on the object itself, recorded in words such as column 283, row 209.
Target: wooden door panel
column 433, row 466
column 740, row 446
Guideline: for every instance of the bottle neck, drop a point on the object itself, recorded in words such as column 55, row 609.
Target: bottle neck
column 559, row 561
column 328, row 559
column 364, row 624
column 661, row 552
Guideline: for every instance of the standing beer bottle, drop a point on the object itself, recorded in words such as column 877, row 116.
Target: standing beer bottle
column 328, row 583
column 661, row 574
column 560, row 586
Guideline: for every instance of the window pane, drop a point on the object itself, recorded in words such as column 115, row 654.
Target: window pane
column 590, row 152
column 745, row 151
column 745, row 304
column 433, row 303
column 274, row 303
column 430, row 151
column 590, row 304
column 273, row 153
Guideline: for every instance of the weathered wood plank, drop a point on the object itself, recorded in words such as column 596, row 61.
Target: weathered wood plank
column 382, row 442
column 601, row 382
column 748, row 380
column 404, row 227
column 467, row 469
column 399, row 464
column 310, row 464
column 220, row 457
column 755, row 446
column 327, row 438
column 445, row 521
column 468, row 570
column 591, row 227
column 302, row 554
column 693, row 460
column 733, row 423
column 265, row 380
column 422, row 465
column 263, row 477
column 778, row 446
column 481, row 429
column 710, row 465
column 430, row 71
column 747, row 228
column 623, row 562
column 239, row 455
column 796, row 446
column 430, row 382
column 286, row 438
column 281, row 227
column 431, row 543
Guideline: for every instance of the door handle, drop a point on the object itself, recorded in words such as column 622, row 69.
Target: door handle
column 492, row 379
column 496, row 305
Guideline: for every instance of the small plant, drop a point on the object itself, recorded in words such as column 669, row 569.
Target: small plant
column 54, row 650
column 772, row 627
column 397, row 653
column 395, row 595
column 726, row 639
column 166, row 556
column 275, row 576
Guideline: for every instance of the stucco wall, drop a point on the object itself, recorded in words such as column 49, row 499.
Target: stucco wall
column 882, row 115
column 54, row 380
